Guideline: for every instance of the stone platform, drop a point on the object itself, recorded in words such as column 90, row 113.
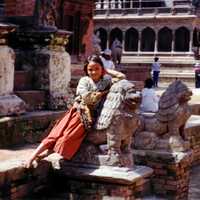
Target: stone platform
column 16, row 182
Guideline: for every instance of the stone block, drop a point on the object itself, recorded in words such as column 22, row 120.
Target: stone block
column 11, row 105
column 173, row 178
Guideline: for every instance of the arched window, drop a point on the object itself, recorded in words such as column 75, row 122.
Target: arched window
column 165, row 39
column 182, row 39
column 131, row 40
column 148, row 39
column 103, row 36
column 115, row 33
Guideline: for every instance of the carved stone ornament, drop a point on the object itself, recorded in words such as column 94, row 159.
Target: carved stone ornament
column 110, row 142
column 164, row 130
column 59, row 40
column 5, row 29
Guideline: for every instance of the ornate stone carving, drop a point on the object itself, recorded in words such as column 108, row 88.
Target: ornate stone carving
column 165, row 129
column 45, row 13
column 59, row 40
column 115, row 126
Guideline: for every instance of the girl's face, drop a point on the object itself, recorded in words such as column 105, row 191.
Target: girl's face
column 95, row 71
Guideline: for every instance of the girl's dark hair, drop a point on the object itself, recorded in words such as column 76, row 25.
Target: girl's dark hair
column 94, row 58
column 148, row 83
column 156, row 59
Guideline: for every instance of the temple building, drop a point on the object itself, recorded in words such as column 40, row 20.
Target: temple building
column 74, row 16
column 149, row 28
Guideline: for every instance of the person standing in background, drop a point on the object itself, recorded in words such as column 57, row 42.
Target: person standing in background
column 155, row 71
column 106, row 59
column 116, row 51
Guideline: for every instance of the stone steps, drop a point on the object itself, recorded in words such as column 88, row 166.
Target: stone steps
column 27, row 128
column 167, row 59
column 23, row 80
column 24, row 88
column 35, row 99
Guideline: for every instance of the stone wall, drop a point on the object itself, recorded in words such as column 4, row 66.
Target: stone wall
column 19, row 7
column 25, row 129
column 16, row 182
column 192, row 133
column 171, row 172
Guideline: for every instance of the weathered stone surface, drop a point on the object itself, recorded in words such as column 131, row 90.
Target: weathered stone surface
column 171, row 171
column 53, row 73
column 11, row 105
column 7, row 59
column 115, row 127
column 165, row 129
column 192, row 133
column 27, row 128
column 17, row 181
column 109, row 174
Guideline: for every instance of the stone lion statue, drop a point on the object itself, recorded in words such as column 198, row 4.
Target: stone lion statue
column 109, row 142
column 165, row 129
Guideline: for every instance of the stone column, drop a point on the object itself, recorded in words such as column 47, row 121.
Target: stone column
column 9, row 103
column 191, row 41
column 139, row 41
column 98, row 4
column 173, row 41
column 53, row 72
column 123, row 41
column 108, row 39
column 156, row 42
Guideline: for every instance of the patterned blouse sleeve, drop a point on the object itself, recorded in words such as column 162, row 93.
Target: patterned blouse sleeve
column 83, row 87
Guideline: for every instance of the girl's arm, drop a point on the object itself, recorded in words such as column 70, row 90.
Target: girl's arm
column 115, row 74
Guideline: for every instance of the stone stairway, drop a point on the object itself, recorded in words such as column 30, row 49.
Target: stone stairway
column 24, row 88
column 179, row 67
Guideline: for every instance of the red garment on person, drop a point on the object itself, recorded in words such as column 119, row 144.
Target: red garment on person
column 67, row 135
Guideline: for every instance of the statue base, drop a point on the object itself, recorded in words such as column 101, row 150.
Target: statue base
column 102, row 182
column 171, row 171
column 11, row 105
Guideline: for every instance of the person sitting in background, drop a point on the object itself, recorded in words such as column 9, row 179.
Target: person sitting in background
column 106, row 59
column 149, row 98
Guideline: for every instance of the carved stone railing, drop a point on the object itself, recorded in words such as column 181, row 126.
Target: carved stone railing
column 139, row 7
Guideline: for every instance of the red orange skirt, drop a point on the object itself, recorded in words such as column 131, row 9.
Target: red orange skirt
column 67, row 135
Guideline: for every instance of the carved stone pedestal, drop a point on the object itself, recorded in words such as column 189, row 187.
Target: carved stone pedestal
column 103, row 182
column 171, row 171
column 9, row 103
column 53, row 73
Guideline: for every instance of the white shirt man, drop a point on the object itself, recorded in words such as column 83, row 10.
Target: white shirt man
column 149, row 100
